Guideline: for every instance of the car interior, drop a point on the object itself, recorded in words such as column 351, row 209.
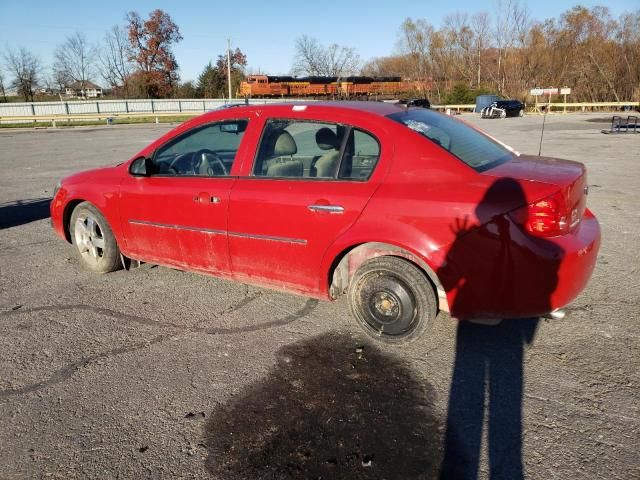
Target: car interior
column 313, row 150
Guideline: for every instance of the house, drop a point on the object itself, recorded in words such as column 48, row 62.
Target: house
column 83, row 89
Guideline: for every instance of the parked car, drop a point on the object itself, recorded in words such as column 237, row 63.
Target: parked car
column 409, row 212
column 503, row 109
column 416, row 102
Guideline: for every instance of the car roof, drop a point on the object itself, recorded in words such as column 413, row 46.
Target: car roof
column 377, row 108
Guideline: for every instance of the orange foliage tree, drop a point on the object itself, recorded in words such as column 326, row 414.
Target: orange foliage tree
column 151, row 40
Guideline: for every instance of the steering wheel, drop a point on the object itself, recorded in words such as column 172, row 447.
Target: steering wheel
column 210, row 158
column 184, row 164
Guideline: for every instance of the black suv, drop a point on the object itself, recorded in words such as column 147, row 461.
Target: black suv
column 512, row 108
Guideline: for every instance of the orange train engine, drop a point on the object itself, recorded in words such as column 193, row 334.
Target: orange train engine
column 285, row 86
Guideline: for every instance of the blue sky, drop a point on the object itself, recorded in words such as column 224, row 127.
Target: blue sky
column 264, row 30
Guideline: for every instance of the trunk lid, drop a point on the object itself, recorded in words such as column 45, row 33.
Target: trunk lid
column 542, row 177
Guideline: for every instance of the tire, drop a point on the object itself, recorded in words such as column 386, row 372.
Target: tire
column 521, row 112
column 503, row 114
column 93, row 241
column 392, row 300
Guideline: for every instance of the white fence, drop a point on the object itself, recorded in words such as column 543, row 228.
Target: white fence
column 100, row 107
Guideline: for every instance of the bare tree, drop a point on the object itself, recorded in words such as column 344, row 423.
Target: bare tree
column 481, row 27
column 339, row 61
column 308, row 56
column 2, row 91
column 628, row 37
column 25, row 69
column 75, row 59
column 461, row 45
column 113, row 59
column 416, row 40
column 312, row 58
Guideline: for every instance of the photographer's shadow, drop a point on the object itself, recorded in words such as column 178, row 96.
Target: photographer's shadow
column 487, row 384
column 488, row 371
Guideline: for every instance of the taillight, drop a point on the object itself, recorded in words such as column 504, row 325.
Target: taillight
column 548, row 217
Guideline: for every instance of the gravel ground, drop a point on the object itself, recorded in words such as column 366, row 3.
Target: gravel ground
column 157, row 373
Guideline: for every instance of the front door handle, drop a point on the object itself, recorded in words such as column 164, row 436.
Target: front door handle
column 326, row 208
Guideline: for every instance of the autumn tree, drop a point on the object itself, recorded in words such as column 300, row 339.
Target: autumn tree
column 238, row 62
column 25, row 69
column 213, row 80
column 627, row 37
column 151, row 41
column 390, row 66
column 187, row 90
column 314, row 59
column 75, row 60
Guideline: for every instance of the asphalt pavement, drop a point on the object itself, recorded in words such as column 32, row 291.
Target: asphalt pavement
column 158, row 373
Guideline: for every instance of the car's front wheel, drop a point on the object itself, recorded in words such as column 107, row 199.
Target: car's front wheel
column 94, row 242
column 392, row 299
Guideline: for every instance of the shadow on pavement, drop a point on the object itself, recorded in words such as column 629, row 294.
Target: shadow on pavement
column 488, row 371
column 330, row 408
column 13, row 214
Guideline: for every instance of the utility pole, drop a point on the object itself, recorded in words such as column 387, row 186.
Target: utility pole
column 229, row 66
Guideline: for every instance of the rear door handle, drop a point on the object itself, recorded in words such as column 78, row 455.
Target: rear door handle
column 205, row 197
column 326, row 208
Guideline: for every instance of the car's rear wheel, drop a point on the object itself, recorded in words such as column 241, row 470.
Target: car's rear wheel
column 94, row 243
column 521, row 112
column 392, row 299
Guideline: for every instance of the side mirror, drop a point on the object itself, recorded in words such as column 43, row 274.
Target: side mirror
column 141, row 167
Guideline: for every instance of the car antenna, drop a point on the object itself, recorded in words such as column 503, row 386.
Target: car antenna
column 544, row 118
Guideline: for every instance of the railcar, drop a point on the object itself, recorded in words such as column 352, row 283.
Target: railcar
column 357, row 86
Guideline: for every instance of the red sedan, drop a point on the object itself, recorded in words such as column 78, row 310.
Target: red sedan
column 407, row 211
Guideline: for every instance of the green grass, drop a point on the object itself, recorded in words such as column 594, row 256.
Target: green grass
column 83, row 123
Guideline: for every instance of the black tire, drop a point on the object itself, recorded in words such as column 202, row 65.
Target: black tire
column 94, row 244
column 392, row 299
column 521, row 112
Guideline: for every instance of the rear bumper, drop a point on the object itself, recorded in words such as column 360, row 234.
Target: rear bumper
column 580, row 254
column 499, row 271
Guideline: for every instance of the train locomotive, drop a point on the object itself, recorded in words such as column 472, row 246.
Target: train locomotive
column 264, row 86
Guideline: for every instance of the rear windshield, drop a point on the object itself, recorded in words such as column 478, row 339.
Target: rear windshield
column 472, row 147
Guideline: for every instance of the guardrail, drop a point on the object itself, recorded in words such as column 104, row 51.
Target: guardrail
column 583, row 106
column 86, row 110
column 537, row 107
column 75, row 111
column 107, row 117
column 457, row 108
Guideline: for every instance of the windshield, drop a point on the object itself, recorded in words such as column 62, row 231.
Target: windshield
column 472, row 147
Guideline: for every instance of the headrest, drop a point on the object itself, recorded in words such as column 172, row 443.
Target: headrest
column 326, row 139
column 285, row 145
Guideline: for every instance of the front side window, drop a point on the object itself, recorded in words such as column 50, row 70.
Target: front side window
column 472, row 147
column 204, row 151
column 307, row 149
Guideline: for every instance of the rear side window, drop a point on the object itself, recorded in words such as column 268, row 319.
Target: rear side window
column 472, row 147
column 308, row 149
column 361, row 155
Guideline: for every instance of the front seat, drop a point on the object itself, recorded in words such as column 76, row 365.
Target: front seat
column 326, row 164
column 278, row 164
